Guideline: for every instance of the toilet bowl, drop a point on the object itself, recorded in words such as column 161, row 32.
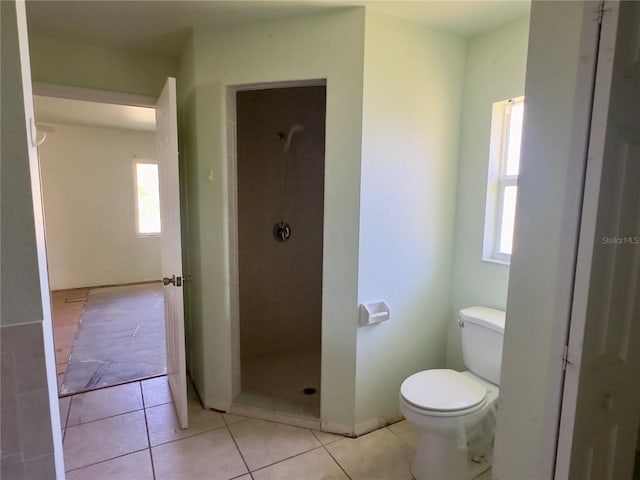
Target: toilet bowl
column 455, row 412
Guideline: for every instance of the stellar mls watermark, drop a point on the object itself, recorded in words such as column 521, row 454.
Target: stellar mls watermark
column 630, row 240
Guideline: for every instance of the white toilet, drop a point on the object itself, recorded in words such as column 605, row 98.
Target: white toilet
column 455, row 412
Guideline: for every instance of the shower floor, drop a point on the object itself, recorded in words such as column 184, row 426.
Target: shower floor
column 277, row 383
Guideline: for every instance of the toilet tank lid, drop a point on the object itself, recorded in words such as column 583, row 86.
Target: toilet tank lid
column 485, row 317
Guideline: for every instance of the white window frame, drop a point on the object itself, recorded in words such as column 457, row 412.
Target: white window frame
column 498, row 180
column 135, row 196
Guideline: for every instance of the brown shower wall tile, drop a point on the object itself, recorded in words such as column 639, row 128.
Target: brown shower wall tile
column 280, row 299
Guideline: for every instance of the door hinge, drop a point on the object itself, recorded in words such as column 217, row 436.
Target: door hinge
column 565, row 357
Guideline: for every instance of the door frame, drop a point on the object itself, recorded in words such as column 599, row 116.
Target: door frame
column 40, row 237
column 600, row 121
column 89, row 95
column 585, row 245
column 232, row 212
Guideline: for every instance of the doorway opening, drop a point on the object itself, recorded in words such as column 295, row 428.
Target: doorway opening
column 278, row 209
column 99, row 174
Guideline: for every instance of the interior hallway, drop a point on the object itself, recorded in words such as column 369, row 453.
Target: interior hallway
column 131, row 432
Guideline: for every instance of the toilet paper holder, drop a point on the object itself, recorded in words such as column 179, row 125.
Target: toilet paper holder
column 374, row 312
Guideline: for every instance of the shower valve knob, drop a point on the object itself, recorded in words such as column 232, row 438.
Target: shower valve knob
column 282, row 231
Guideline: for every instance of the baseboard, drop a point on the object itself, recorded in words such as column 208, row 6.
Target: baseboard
column 278, row 417
column 125, row 284
column 377, row 423
column 337, row 428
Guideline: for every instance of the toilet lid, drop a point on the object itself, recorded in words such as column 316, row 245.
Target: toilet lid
column 443, row 390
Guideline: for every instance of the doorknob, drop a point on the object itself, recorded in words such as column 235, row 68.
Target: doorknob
column 175, row 281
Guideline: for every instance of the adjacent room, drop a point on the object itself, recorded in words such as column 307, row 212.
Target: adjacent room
column 102, row 215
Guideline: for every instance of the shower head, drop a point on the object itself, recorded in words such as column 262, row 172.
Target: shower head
column 296, row 127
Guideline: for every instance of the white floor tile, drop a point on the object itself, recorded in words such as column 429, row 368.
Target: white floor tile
column 379, row 455
column 263, row 443
column 211, row 455
column 104, row 439
column 64, row 403
column 135, row 466
column 325, row 437
column 229, row 418
column 314, row 465
column 86, row 407
column 156, row 391
column 163, row 422
column 488, row 475
column 407, row 432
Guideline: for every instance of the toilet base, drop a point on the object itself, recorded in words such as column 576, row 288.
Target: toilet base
column 447, row 442
column 440, row 457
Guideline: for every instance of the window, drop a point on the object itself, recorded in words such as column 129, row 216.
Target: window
column 502, row 184
column 147, row 196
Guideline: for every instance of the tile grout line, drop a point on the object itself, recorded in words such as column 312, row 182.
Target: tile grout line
column 237, row 448
column 66, row 420
column 398, row 436
column 335, row 460
column 194, row 434
column 99, row 419
column 146, row 425
column 105, row 460
column 289, row 458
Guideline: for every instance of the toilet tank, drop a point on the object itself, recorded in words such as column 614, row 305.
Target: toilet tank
column 482, row 334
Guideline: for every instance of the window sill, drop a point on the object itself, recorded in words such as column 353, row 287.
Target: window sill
column 506, row 263
column 148, row 235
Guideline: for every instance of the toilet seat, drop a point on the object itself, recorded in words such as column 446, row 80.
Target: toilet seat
column 442, row 391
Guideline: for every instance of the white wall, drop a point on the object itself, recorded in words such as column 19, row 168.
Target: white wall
column 88, row 187
column 413, row 79
column 556, row 124
column 494, row 70
column 320, row 46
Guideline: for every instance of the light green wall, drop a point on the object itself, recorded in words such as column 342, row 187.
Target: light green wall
column 495, row 70
column 413, row 79
column 321, row 46
column 78, row 64
column 30, row 424
column 21, row 301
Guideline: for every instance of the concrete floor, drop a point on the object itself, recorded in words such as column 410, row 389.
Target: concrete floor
column 120, row 338
column 67, row 307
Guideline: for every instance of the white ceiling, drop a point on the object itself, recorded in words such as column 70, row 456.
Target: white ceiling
column 80, row 112
column 161, row 27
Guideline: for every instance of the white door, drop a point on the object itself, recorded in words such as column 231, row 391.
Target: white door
column 167, row 150
column 601, row 404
